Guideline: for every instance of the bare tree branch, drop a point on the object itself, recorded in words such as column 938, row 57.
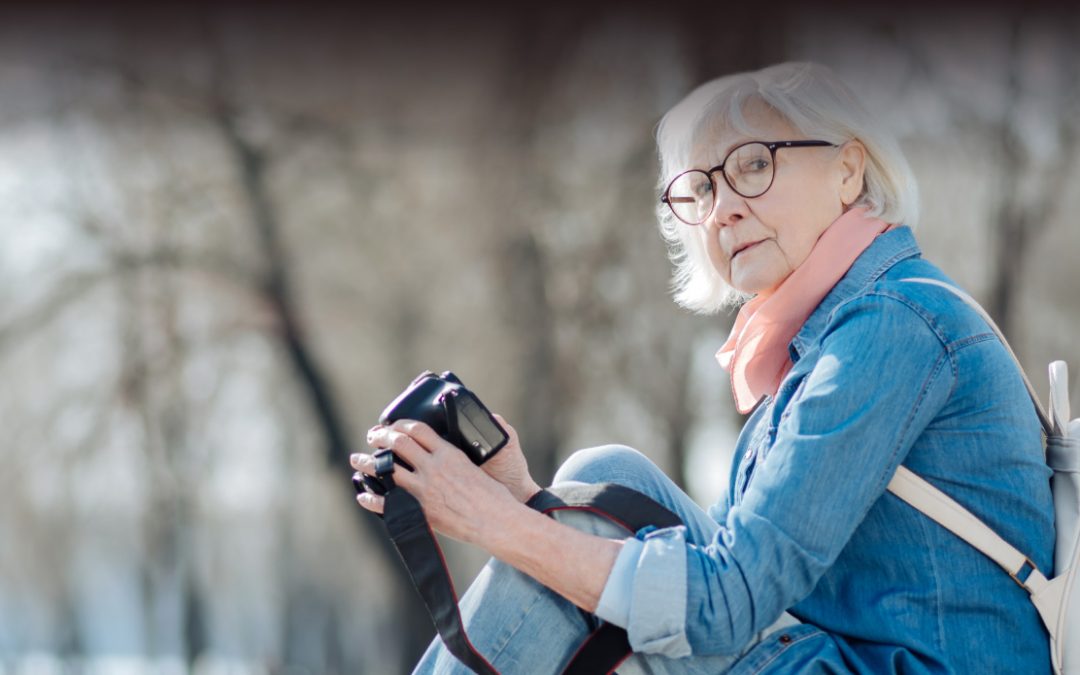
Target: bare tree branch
column 76, row 286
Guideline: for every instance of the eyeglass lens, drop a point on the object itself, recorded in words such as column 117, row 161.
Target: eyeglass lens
column 748, row 170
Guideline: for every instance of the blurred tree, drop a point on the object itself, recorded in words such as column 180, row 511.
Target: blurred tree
column 251, row 229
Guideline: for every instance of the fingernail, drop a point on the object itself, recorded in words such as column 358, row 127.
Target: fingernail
column 354, row 459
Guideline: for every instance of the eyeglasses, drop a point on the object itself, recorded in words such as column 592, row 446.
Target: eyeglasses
column 748, row 170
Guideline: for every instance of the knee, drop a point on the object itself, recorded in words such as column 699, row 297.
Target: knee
column 604, row 463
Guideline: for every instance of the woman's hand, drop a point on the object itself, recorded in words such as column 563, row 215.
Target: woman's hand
column 474, row 506
column 509, row 467
column 458, row 498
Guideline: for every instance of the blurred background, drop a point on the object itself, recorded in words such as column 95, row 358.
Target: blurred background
column 230, row 235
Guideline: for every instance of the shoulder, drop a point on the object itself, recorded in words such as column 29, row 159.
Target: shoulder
column 903, row 309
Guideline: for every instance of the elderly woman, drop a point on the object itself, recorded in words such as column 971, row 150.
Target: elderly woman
column 780, row 192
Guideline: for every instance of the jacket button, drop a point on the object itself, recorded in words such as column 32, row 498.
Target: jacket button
column 785, row 639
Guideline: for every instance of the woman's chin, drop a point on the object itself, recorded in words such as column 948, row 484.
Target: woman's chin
column 756, row 284
column 755, row 277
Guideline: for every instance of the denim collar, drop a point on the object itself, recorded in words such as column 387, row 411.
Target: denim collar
column 885, row 251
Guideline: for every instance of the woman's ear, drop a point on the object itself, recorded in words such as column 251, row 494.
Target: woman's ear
column 852, row 165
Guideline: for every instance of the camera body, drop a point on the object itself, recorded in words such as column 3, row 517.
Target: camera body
column 451, row 410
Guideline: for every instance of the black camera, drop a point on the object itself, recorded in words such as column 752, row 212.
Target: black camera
column 451, row 410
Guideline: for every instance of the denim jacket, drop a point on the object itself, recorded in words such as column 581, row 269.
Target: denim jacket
column 885, row 373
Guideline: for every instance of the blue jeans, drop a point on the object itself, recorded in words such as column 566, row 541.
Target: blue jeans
column 521, row 626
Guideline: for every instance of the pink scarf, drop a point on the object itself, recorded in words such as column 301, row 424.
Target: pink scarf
column 756, row 352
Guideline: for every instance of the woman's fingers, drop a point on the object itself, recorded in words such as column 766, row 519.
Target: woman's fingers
column 510, row 431
column 363, row 463
column 450, row 488
column 403, row 445
column 373, row 503
column 423, row 434
column 412, row 442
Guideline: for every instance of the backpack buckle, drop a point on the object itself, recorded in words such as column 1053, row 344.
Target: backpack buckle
column 1016, row 575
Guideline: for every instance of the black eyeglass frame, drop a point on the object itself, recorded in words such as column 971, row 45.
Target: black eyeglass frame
column 773, row 146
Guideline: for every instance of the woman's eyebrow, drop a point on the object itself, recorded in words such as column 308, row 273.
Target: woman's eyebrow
column 744, row 139
column 723, row 155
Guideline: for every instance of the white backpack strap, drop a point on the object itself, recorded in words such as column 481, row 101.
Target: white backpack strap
column 1053, row 598
column 1044, row 419
column 941, row 508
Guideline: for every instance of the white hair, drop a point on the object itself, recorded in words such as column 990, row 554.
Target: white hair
column 814, row 101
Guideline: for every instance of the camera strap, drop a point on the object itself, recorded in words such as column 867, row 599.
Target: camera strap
column 602, row 651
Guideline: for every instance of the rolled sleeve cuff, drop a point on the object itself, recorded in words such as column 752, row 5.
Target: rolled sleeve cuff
column 646, row 592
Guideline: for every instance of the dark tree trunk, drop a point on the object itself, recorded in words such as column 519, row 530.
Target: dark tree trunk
column 251, row 164
column 540, row 43
column 1010, row 222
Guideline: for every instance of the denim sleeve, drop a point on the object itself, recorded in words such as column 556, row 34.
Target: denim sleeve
column 881, row 376
column 646, row 592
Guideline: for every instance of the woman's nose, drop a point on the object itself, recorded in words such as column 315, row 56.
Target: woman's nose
column 729, row 207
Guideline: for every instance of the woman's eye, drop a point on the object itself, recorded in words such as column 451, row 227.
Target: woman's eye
column 753, row 165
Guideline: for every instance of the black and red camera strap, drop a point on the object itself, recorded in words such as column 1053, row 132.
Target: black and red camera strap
column 602, row 651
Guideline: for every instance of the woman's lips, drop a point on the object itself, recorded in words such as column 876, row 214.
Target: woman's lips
column 745, row 248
